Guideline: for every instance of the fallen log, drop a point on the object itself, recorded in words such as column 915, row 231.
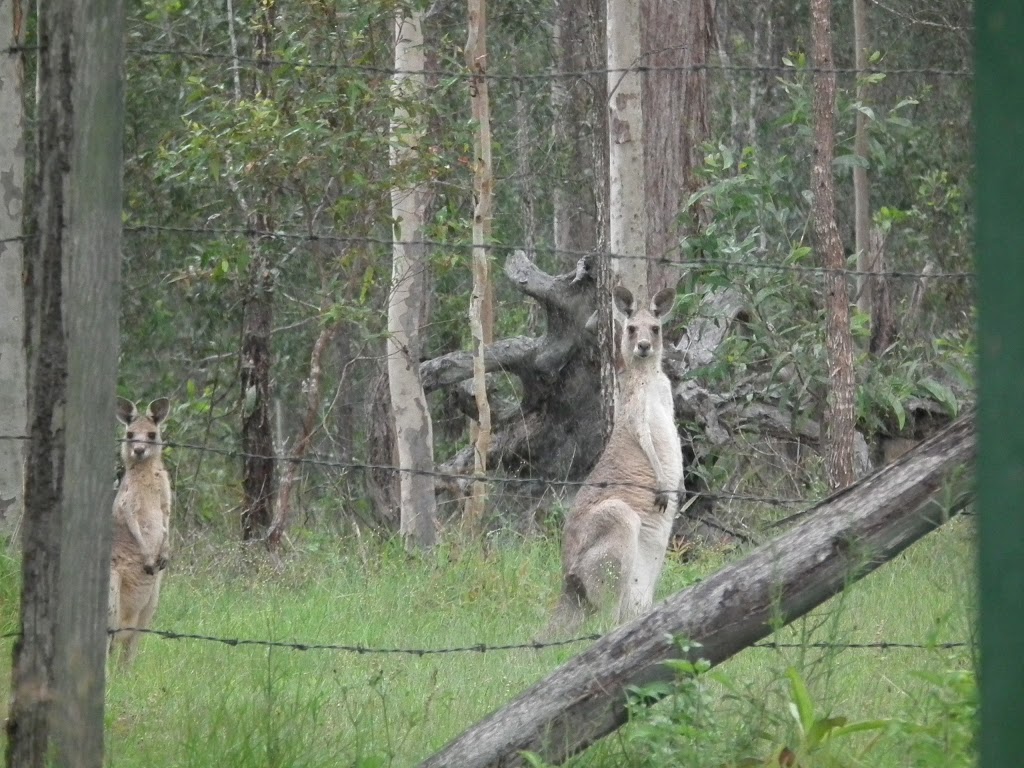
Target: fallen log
column 845, row 537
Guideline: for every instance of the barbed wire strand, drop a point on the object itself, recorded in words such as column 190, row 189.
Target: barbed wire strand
column 664, row 259
column 535, row 645
column 466, row 74
column 335, row 463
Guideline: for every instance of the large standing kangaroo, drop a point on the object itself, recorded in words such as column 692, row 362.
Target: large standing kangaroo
column 618, row 528
column 142, row 519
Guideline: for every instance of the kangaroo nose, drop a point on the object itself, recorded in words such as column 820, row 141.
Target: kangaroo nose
column 139, row 449
column 644, row 345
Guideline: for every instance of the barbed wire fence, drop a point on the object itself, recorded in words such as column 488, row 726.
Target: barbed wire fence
column 334, row 463
column 482, row 648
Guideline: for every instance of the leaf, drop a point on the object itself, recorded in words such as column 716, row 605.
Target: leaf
column 822, row 729
column 941, row 393
column 850, row 161
column 802, row 707
column 896, row 406
column 859, row 727
column 864, row 109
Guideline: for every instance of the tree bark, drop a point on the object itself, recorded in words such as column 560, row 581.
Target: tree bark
column 677, row 39
column 846, row 537
column 258, row 465
column 72, row 291
column 581, row 191
column 627, row 204
column 413, row 427
column 839, row 407
column 13, row 381
column 481, row 321
column 259, row 468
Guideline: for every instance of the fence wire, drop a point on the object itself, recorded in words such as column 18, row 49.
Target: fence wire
column 544, row 76
column 534, row 645
column 313, row 237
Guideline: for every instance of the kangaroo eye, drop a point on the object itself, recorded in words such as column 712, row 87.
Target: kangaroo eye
column 151, row 435
column 655, row 330
column 129, row 434
column 632, row 330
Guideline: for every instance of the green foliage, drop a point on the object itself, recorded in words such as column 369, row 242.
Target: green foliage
column 757, row 242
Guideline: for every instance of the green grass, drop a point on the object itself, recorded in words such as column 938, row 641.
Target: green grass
column 195, row 703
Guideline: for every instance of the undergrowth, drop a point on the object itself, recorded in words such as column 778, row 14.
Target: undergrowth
column 193, row 703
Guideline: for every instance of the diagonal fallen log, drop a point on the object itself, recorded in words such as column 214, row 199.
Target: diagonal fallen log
column 847, row 536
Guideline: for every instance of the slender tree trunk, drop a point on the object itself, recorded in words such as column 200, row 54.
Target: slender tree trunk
column 580, row 200
column 72, row 289
column 13, row 381
column 677, row 39
column 313, row 388
column 839, row 407
column 627, row 204
column 481, row 308
column 259, row 471
column 413, row 428
column 579, row 132
column 861, row 188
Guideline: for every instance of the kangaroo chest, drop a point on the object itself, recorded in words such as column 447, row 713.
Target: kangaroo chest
column 647, row 408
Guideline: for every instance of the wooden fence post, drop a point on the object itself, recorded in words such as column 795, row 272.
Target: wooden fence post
column 72, row 289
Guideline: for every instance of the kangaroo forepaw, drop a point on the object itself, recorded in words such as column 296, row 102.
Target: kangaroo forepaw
column 150, row 568
column 661, row 500
column 161, row 562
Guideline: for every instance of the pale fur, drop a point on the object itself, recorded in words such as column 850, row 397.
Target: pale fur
column 142, row 520
column 618, row 528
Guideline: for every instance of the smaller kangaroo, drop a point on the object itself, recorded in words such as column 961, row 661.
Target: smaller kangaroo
column 618, row 527
column 142, row 518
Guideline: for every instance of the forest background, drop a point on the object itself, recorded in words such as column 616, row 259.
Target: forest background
column 258, row 247
column 264, row 145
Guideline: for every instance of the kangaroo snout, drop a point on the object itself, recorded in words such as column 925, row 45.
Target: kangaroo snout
column 643, row 347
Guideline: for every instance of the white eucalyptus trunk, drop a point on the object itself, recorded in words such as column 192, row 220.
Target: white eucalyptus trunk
column 481, row 310
column 413, row 428
column 627, row 210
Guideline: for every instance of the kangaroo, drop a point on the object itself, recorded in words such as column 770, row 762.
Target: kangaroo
column 619, row 525
column 142, row 518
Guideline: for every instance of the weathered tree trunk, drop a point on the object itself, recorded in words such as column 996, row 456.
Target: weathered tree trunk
column 413, row 427
column 627, row 214
column 71, row 310
column 580, row 197
column 677, row 38
column 13, row 381
column 259, row 468
column 845, row 537
column 481, row 321
column 839, row 407
column 555, row 432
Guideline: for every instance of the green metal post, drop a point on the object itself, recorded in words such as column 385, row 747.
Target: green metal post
column 999, row 125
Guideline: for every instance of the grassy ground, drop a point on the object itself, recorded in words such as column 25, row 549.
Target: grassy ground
column 194, row 703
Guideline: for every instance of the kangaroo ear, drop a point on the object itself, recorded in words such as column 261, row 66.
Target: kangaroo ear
column 158, row 409
column 623, row 300
column 663, row 303
column 126, row 411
